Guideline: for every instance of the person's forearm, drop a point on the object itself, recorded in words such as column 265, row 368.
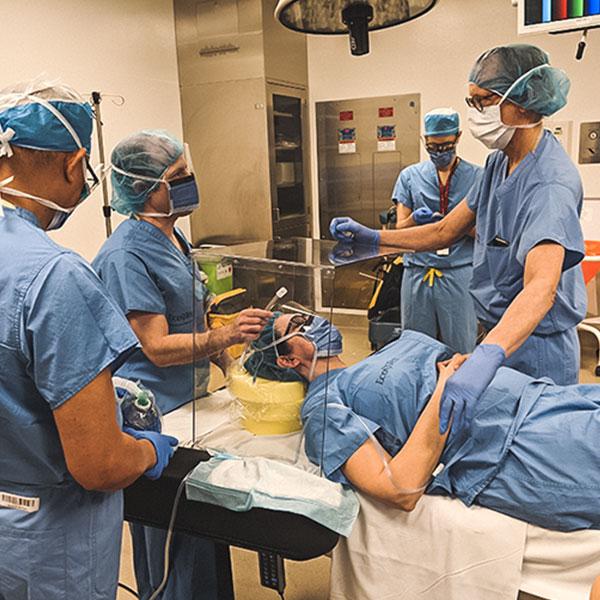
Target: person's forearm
column 406, row 223
column 413, row 466
column 178, row 348
column 115, row 473
column 523, row 315
column 425, row 237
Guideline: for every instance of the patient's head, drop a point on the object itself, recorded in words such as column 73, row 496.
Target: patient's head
column 305, row 342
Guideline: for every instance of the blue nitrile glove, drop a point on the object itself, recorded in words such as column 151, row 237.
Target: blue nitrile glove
column 465, row 387
column 424, row 215
column 164, row 445
column 346, row 229
column 344, row 253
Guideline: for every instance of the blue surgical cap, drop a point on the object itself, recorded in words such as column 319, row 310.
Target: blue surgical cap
column 542, row 89
column 442, row 121
column 28, row 119
column 148, row 153
column 263, row 363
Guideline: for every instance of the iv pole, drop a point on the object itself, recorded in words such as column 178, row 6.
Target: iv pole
column 96, row 100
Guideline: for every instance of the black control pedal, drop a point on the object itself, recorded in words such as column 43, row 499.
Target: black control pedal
column 272, row 571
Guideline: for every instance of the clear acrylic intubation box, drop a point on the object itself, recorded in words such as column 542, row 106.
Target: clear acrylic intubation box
column 254, row 408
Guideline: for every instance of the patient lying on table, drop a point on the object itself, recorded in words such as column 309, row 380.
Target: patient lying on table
column 532, row 451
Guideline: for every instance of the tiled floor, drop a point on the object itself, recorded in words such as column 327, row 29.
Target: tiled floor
column 310, row 580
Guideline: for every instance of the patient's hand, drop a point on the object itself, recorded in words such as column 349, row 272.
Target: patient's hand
column 448, row 367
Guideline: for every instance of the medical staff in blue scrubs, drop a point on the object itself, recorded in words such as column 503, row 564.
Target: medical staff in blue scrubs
column 63, row 456
column 435, row 296
column 527, row 285
column 147, row 268
column 533, row 453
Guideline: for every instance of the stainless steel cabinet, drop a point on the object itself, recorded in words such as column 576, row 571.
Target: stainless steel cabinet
column 288, row 161
column 243, row 79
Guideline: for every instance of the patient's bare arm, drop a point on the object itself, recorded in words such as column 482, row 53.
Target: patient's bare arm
column 413, row 466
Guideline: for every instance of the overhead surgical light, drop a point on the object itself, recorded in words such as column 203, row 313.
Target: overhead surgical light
column 357, row 17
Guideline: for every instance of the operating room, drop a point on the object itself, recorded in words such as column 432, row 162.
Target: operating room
column 300, row 300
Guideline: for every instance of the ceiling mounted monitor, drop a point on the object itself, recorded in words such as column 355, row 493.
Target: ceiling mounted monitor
column 356, row 17
column 553, row 16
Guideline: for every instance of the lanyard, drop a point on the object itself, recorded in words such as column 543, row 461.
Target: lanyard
column 445, row 189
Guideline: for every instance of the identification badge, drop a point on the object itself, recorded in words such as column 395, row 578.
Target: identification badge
column 443, row 252
column 24, row 503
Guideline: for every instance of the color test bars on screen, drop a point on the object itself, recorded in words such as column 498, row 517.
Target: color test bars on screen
column 546, row 11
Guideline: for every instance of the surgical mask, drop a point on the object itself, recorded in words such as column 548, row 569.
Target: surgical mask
column 442, row 159
column 324, row 336
column 487, row 125
column 184, row 196
column 61, row 214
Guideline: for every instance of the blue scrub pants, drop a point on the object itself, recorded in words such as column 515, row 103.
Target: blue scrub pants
column 444, row 310
column 556, row 356
column 69, row 549
column 192, row 575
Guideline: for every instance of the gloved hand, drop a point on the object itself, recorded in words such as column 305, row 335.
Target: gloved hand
column 346, row 253
column 424, row 215
column 164, row 446
column 346, row 229
column 466, row 386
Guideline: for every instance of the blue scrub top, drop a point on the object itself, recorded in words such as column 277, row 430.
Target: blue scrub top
column 531, row 451
column 540, row 201
column 144, row 271
column 388, row 390
column 59, row 329
column 417, row 186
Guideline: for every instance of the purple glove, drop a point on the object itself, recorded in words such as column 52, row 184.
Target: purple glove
column 346, row 229
column 465, row 387
column 164, row 446
column 424, row 215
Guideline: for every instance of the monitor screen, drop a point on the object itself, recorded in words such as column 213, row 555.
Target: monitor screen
column 537, row 16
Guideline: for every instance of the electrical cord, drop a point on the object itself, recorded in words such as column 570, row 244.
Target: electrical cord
column 169, row 539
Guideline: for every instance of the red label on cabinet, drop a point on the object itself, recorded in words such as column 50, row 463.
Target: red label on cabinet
column 347, row 115
column 386, row 112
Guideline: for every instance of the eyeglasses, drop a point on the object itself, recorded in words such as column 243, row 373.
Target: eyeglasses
column 299, row 322
column 91, row 178
column 444, row 147
column 480, row 102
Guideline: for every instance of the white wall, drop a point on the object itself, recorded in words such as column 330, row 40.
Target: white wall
column 433, row 56
column 125, row 47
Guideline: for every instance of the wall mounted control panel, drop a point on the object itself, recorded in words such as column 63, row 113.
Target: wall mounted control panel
column 589, row 143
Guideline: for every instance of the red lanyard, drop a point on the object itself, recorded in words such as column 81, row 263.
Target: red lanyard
column 445, row 190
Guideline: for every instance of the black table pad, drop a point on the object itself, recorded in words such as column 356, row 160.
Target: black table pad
column 291, row 536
